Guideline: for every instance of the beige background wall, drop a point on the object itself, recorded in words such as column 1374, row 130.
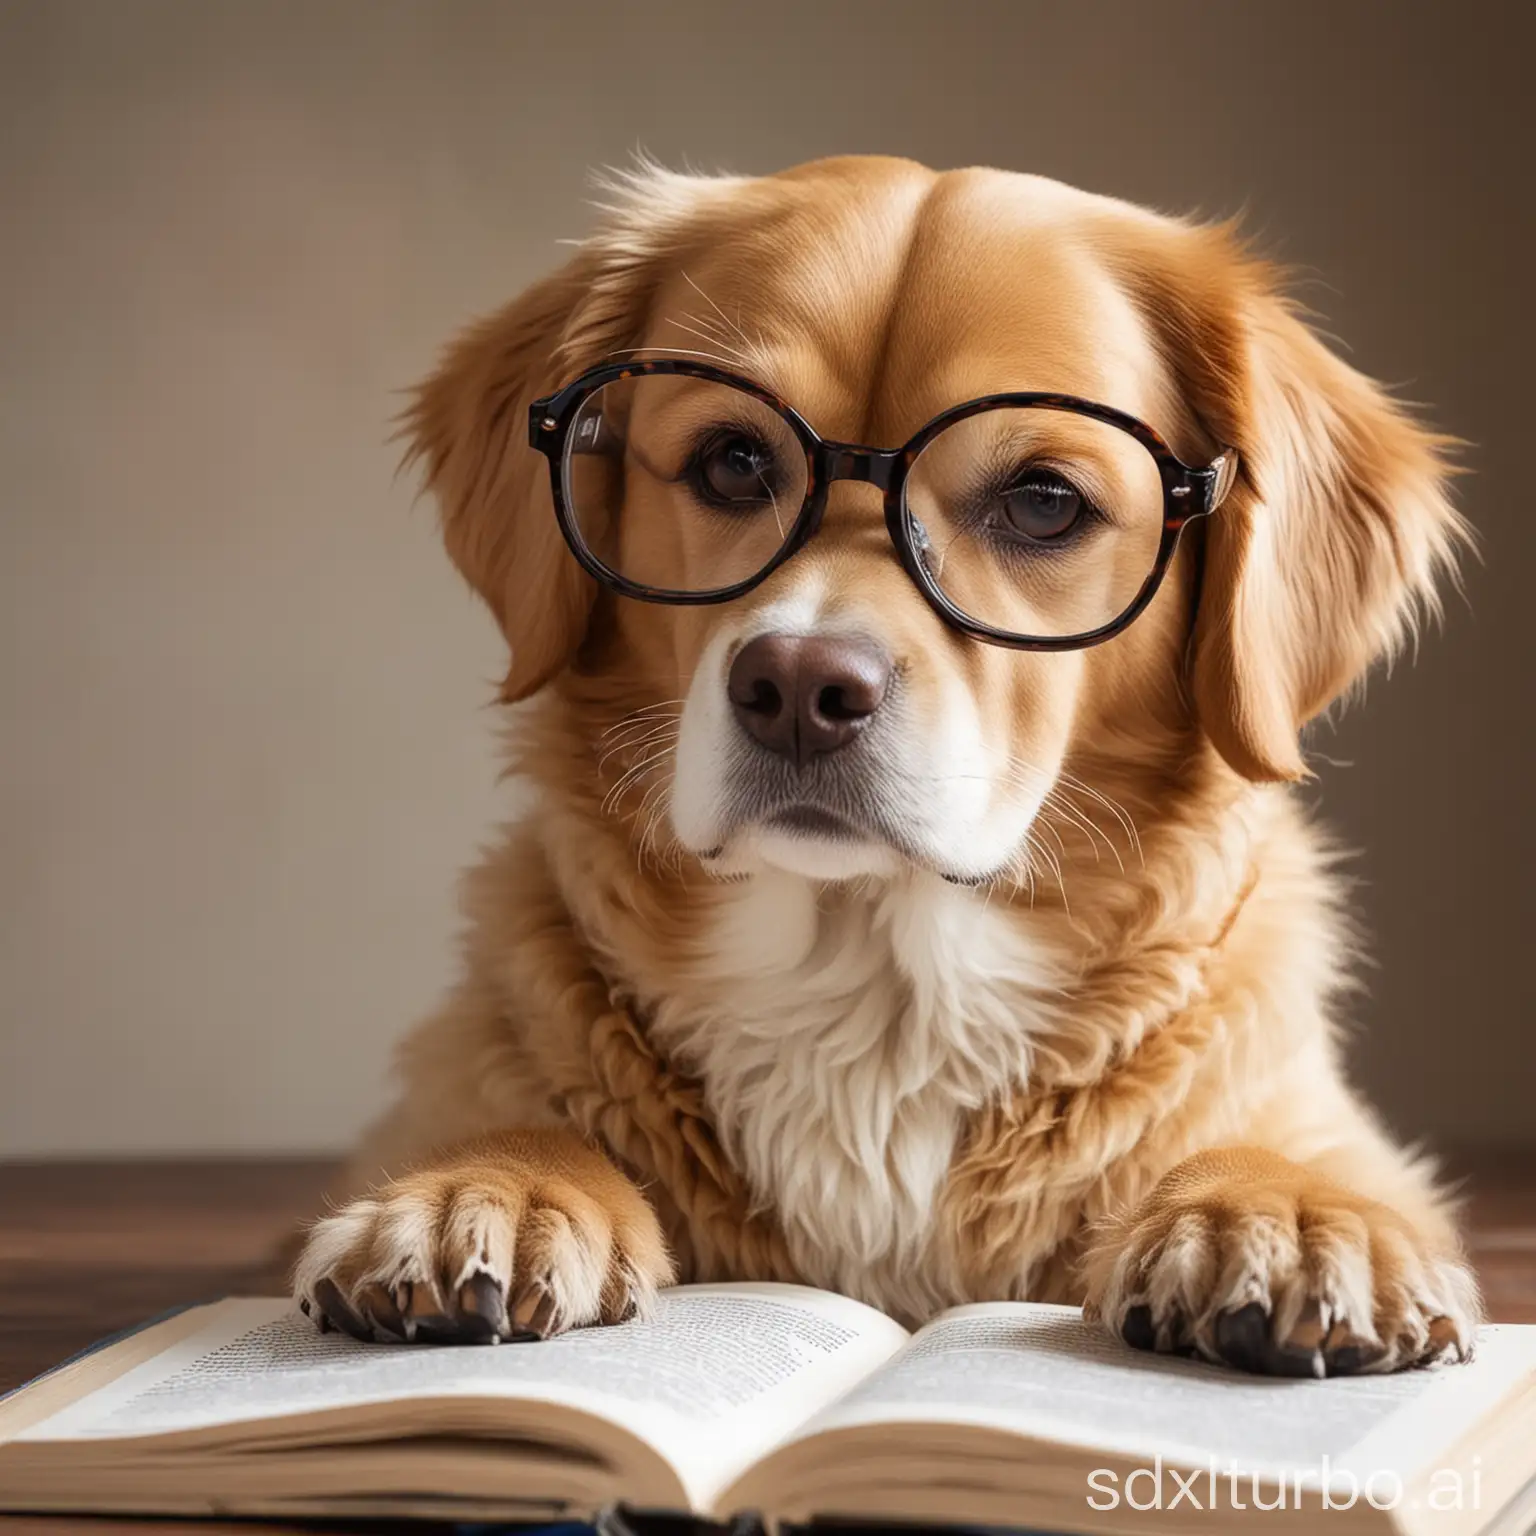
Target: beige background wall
column 242, row 742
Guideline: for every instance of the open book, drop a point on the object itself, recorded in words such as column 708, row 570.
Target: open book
column 774, row 1399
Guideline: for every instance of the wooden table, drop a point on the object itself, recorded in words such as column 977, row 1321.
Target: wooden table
column 87, row 1249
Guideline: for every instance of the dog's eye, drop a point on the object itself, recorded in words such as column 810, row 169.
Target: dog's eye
column 1042, row 506
column 733, row 469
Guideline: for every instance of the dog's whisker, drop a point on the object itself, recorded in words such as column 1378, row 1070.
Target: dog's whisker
column 651, row 810
column 1092, row 827
column 1113, row 806
column 651, row 713
column 778, row 521
column 1047, row 826
column 1024, row 877
column 711, row 357
column 630, row 753
column 640, row 766
column 748, row 357
column 630, row 745
column 1049, row 859
column 627, row 750
column 637, row 734
column 630, row 777
column 1070, row 782
column 714, row 340
column 613, row 810
column 668, row 859
column 734, row 325
column 641, row 726
column 708, row 326
column 1057, row 800
column 1052, row 802
column 672, row 707
column 1056, row 804
column 651, row 792
column 660, row 733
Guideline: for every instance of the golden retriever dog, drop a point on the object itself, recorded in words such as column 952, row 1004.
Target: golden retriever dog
column 915, row 586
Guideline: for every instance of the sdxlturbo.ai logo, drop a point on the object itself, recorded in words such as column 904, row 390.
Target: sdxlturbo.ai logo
column 1323, row 1487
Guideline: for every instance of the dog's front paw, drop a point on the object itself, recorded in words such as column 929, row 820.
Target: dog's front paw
column 519, row 1235
column 1244, row 1258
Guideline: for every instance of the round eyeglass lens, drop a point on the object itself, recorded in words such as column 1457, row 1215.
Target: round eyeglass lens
column 1043, row 523
column 681, row 484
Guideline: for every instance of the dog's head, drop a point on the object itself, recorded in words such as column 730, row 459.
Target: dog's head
column 829, row 720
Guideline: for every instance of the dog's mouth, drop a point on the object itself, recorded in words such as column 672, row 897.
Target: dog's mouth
column 837, row 818
column 813, row 821
column 827, row 829
column 827, row 839
column 830, row 810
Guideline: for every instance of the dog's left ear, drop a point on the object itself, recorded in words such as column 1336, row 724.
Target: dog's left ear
column 1330, row 545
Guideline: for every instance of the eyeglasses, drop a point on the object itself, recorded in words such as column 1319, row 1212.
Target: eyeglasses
column 1036, row 521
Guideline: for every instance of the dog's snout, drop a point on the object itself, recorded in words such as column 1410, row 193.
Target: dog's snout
column 803, row 696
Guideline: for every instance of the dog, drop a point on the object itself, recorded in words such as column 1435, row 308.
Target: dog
column 898, row 913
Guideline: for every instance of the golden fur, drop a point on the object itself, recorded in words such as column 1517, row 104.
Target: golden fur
column 1109, row 1073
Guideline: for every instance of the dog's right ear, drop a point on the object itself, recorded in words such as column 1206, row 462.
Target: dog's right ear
column 468, row 427
column 468, row 422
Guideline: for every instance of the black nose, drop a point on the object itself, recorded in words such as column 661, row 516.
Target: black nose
column 805, row 695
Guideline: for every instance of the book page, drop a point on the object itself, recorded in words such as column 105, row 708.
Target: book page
column 1043, row 1372
column 712, row 1381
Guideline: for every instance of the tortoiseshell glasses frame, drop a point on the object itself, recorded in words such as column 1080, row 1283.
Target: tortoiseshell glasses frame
column 1189, row 491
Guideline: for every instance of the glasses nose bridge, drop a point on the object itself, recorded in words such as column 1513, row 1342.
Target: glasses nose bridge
column 854, row 461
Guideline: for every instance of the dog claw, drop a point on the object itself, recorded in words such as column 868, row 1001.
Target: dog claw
column 534, row 1315
column 339, row 1311
column 380, row 1309
column 482, row 1308
column 1241, row 1337
column 1137, row 1329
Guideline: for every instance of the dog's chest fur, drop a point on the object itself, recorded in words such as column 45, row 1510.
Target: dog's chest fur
column 841, row 1041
